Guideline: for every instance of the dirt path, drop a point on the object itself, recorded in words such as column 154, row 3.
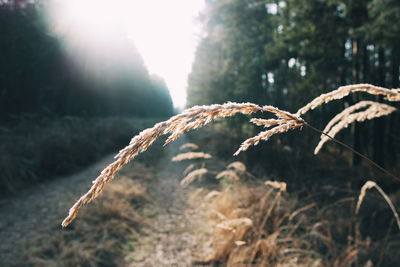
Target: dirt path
column 40, row 207
column 174, row 242
column 44, row 207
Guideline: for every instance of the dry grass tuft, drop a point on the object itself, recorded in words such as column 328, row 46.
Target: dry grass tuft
column 232, row 225
column 191, row 155
column 228, row 175
column 281, row 186
column 189, row 168
column 259, row 226
column 348, row 116
column 98, row 238
column 192, row 176
column 237, row 166
column 199, row 116
column 363, row 192
column 191, row 119
column 282, row 128
column 343, row 91
column 189, row 146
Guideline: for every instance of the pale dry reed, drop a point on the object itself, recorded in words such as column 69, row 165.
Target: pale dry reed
column 232, row 224
column 343, row 91
column 189, row 169
column 347, row 117
column 253, row 141
column 370, row 185
column 281, row 186
column 191, row 119
column 198, row 116
column 237, row 166
column 212, row 195
column 189, row 146
column 228, row 175
column 191, row 155
column 192, row 176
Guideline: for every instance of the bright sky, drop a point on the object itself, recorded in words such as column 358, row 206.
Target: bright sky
column 166, row 33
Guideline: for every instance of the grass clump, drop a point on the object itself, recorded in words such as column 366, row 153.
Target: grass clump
column 35, row 148
column 98, row 238
column 254, row 224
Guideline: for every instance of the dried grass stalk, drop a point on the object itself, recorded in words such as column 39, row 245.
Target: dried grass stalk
column 240, row 243
column 341, row 92
column 370, row 185
column 191, row 119
column 253, row 141
column 237, row 166
column 191, row 155
column 281, row 186
column 346, row 117
column 212, row 195
column 192, row 176
column 230, row 225
column 267, row 123
column 190, row 146
column 229, row 175
column 346, row 112
column 189, row 168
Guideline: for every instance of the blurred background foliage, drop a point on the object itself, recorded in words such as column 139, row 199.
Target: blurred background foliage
column 58, row 115
column 285, row 53
column 36, row 75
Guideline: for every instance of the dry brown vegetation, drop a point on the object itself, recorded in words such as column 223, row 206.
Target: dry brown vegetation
column 98, row 238
column 251, row 224
column 198, row 116
column 49, row 147
column 262, row 224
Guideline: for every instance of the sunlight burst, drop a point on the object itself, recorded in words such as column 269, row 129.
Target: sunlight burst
column 164, row 32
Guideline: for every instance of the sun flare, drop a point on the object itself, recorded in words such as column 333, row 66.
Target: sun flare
column 164, row 32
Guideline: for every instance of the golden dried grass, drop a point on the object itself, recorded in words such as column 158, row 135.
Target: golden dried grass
column 192, row 176
column 228, row 175
column 93, row 241
column 369, row 185
column 189, row 168
column 191, row 119
column 343, row 91
column 259, row 226
column 281, row 186
column 189, row 146
column 199, row 116
column 191, row 155
column 347, row 117
column 237, row 166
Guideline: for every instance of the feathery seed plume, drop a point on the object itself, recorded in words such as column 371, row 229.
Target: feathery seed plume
column 229, row 175
column 345, row 118
column 281, row 186
column 192, row 176
column 370, row 185
column 190, row 146
column 390, row 94
column 191, row 155
column 237, row 166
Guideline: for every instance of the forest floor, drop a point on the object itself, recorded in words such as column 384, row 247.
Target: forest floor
column 145, row 218
column 41, row 206
column 35, row 214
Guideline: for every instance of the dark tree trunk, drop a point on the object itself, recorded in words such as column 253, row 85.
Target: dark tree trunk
column 393, row 119
column 355, row 75
column 379, row 138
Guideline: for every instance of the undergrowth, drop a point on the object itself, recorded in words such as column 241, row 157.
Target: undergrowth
column 99, row 239
column 256, row 224
column 262, row 224
column 33, row 149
